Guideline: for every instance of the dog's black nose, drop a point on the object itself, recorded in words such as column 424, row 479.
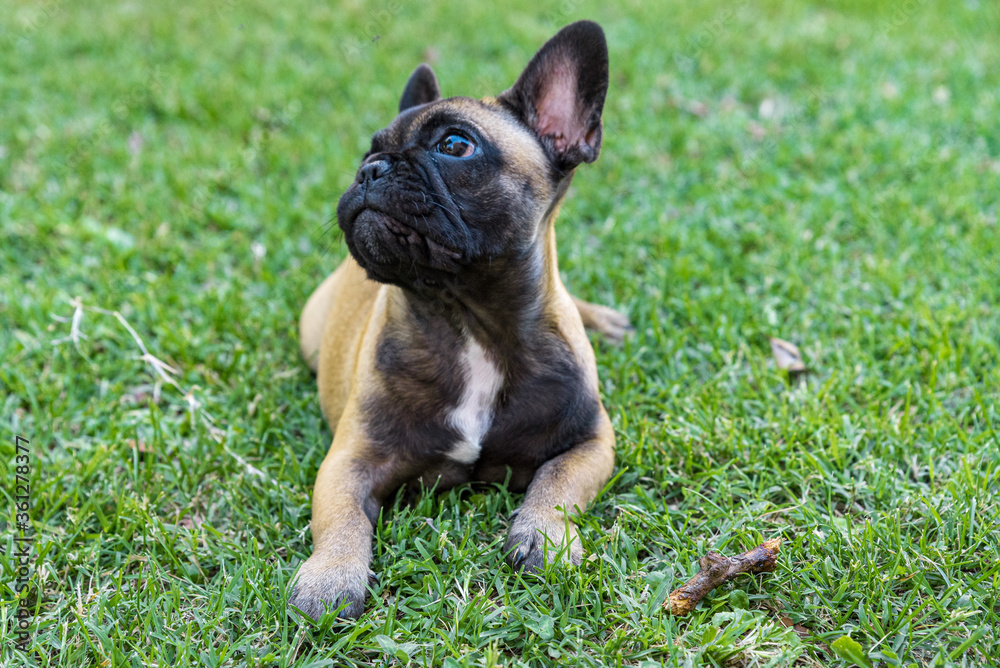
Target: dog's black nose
column 374, row 170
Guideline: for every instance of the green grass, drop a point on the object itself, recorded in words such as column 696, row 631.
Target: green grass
column 825, row 174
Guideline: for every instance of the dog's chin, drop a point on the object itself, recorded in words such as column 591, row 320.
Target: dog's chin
column 392, row 252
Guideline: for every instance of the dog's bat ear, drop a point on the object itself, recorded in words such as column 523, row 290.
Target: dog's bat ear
column 560, row 95
column 420, row 89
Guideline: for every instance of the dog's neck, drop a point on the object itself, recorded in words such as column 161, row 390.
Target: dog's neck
column 505, row 303
column 502, row 306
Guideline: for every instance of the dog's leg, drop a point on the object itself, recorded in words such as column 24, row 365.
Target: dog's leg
column 607, row 322
column 569, row 481
column 345, row 507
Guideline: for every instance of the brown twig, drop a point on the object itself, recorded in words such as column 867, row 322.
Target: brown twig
column 717, row 569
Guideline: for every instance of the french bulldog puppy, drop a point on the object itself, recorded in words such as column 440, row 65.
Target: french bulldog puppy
column 446, row 347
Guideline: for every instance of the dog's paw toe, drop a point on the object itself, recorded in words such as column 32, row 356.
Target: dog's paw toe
column 331, row 587
column 609, row 323
column 533, row 542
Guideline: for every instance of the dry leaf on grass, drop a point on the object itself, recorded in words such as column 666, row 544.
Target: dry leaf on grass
column 786, row 355
column 787, row 622
column 141, row 446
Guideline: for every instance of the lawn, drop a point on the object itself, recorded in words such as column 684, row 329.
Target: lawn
column 825, row 173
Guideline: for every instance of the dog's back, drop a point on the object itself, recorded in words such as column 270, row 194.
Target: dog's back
column 340, row 322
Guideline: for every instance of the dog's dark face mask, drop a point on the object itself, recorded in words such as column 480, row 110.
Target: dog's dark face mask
column 456, row 187
column 437, row 195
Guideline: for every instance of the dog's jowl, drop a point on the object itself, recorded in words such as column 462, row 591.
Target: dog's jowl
column 446, row 347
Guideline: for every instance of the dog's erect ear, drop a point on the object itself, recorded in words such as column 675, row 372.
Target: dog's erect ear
column 420, row 89
column 560, row 94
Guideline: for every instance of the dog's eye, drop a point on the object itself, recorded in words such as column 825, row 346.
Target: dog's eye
column 456, row 146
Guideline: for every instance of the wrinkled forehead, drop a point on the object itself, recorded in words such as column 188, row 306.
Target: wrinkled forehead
column 489, row 119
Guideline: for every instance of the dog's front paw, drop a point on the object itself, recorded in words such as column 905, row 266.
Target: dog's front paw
column 329, row 584
column 537, row 538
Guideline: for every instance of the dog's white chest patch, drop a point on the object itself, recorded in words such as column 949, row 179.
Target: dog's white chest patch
column 474, row 413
